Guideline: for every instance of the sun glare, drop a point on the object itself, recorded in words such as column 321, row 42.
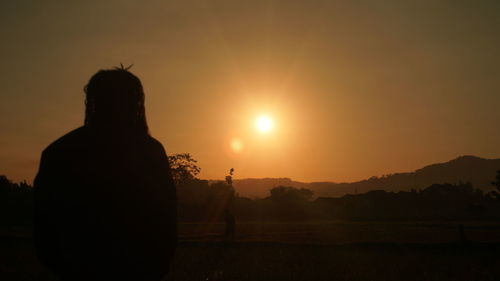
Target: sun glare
column 264, row 124
column 236, row 145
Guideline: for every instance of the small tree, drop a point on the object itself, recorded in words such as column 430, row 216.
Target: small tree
column 226, row 188
column 229, row 178
column 496, row 183
column 183, row 167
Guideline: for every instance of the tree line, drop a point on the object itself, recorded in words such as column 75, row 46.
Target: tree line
column 204, row 201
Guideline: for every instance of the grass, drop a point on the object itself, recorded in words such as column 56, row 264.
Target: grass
column 295, row 251
column 277, row 261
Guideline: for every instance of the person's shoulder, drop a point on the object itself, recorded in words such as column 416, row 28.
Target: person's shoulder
column 72, row 139
column 154, row 143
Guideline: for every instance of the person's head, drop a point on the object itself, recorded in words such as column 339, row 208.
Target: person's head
column 115, row 100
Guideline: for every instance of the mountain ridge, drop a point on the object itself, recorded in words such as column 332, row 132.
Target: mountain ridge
column 466, row 168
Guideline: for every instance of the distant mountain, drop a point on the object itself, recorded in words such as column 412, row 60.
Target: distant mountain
column 480, row 172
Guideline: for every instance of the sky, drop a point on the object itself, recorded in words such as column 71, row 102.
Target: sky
column 353, row 88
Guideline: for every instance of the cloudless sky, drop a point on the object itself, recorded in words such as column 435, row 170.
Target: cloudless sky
column 354, row 88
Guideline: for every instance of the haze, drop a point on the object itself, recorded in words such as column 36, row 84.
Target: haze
column 354, row 89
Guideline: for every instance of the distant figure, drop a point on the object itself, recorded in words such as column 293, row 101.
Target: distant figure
column 105, row 201
column 230, row 225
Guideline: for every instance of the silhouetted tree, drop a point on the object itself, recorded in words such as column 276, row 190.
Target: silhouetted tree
column 229, row 178
column 290, row 194
column 16, row 201
column 224, row 191
column 288, row 203
column 183, row 167
column 496, row 183
column 229, row 217
column 221, row 194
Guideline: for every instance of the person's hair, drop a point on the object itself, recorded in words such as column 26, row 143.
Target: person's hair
column 114, row 98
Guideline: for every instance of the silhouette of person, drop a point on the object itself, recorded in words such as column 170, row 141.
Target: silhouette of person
column 230, row 225
column 105, row 201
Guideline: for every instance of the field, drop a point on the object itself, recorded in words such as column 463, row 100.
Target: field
column 310, row 251
column 342, row 232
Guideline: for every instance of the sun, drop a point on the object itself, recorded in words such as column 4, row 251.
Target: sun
column 264, row 124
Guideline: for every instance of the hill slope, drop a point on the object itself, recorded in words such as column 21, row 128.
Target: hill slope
column 480, row 172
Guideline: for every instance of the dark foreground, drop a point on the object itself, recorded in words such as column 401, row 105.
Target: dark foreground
column 278, row 261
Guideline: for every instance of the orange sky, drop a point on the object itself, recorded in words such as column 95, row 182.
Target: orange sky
column 355, row 88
